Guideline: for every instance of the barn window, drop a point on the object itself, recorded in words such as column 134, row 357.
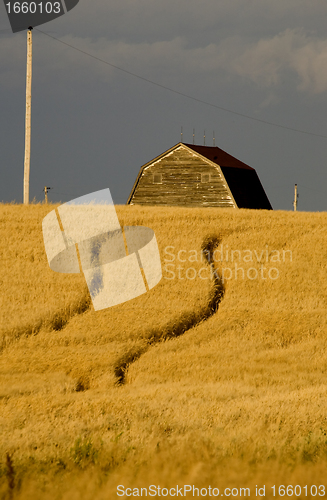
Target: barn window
column 205, row 177
column 157, row 178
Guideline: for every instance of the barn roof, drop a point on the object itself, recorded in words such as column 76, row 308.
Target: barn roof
column 218, row 156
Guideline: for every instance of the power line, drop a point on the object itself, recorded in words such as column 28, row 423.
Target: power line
column 181, row 93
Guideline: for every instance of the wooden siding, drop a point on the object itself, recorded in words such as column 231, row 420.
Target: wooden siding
column 181, row 185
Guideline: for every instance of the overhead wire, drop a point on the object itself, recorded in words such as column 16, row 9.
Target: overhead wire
column 187, row 96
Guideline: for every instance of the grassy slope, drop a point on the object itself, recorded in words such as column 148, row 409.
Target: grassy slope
column 241, row 393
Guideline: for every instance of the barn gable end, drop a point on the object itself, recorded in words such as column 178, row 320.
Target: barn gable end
column 193, row 176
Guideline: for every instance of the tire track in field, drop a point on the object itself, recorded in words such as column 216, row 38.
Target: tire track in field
column 55, row 322
column 184, row 323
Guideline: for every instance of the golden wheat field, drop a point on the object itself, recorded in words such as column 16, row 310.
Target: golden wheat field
column 211, row 380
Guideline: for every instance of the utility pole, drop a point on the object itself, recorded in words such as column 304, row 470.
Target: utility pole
column 46, row 194
column 27, row 159
column 295, row 198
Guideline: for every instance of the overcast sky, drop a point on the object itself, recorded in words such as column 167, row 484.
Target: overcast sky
column 94, row 126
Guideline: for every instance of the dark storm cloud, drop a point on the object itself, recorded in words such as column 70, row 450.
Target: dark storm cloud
column 192, row 40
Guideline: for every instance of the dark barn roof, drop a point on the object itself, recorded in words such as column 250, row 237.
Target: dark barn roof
column 246, row 188
column 218, row 156
column 232, row 184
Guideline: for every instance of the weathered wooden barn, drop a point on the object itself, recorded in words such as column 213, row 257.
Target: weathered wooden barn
column 198, row 176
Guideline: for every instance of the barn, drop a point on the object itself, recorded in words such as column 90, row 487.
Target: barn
column 198, row 176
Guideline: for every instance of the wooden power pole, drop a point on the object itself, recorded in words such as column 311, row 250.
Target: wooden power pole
column 46, row 189
column 27, row 159
column 295, row 198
